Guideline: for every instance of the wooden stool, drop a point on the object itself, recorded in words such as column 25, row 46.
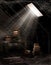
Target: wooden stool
column 36, row 49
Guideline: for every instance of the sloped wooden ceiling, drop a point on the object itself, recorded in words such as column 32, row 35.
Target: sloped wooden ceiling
column 8, row 8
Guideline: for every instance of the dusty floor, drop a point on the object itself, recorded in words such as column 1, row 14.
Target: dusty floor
column 36, row 60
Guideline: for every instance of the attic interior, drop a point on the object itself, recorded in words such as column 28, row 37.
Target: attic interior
column 25, row 29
